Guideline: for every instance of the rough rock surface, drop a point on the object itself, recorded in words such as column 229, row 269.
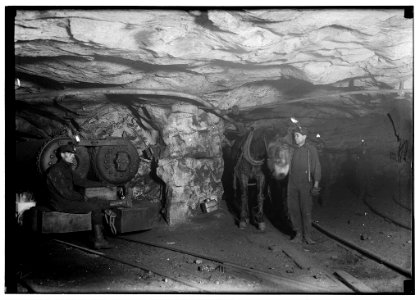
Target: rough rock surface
column 246, row 58
column 192, row 132
column 192, row 167
column 203, row 52
column 270, row 63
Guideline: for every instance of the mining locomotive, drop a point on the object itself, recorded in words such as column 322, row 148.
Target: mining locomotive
column 112, row 161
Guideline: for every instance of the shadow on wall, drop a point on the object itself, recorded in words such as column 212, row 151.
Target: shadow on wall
column 275, row 207
column 227, row 181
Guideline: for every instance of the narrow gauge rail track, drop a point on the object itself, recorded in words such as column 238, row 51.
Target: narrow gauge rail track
column 346, row 279
column 365, row 253
column 247, row 272
column 273, row 281
column 237, row 269
column 131, row 264
column 349, row 281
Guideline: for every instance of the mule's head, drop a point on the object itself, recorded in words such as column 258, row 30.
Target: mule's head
column 279, row 157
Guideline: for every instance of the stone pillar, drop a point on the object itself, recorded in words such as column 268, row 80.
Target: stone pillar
column 192, row 166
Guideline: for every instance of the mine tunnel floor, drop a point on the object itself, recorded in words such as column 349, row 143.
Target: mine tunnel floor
column 48, row 267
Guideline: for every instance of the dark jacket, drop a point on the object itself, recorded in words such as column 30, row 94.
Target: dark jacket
column 304, row 158
column 61, row 181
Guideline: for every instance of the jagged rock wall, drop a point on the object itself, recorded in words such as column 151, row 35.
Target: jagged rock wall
column 192, row 165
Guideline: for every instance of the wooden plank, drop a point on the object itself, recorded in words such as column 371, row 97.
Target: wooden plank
column 352, row 282
column 59, row 222
column 301, row 260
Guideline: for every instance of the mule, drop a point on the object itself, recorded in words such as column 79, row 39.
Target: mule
column 279, row 155
column 255, row 154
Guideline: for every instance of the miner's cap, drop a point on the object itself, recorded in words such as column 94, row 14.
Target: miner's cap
column 302, row 130
column 66, row 148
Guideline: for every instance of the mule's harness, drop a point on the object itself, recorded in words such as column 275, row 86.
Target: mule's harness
column 247, row 154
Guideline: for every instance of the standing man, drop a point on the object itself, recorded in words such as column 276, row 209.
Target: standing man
column 304, row 178
column 61, row 182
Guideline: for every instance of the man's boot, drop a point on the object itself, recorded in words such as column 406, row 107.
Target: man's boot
column 99, row 241
column 297, row 238
column 243, row 223
column 307, row 239
column 261, row 226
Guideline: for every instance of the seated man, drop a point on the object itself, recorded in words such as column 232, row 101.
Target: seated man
column 61, row 182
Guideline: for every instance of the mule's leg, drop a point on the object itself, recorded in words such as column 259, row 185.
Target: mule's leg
column 259, row 216
column 244, row 219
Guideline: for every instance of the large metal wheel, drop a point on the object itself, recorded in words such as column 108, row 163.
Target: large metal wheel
column 48, row 156
column 117, row 163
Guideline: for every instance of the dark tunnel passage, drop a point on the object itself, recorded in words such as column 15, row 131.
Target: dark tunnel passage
column 366, row 185
column 348, row 168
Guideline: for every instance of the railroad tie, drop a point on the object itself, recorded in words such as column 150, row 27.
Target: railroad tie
column 353, row 283
column 301, row 260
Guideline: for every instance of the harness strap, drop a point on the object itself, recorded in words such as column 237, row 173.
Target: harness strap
column 247, row 154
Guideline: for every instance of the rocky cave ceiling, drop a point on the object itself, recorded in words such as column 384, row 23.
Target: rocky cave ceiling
column 242, row 64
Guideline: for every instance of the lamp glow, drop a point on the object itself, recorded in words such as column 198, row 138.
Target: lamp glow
column 293, row 120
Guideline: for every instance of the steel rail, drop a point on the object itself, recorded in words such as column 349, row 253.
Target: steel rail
column 384, row 216
column 400, row 204
column 299, row 285
column 269, row 276
column 200, row 289
column 276, row 278
column 364, row 252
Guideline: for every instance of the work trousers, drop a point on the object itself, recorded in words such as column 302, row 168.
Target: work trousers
column 93, row 205
column 299, row 202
